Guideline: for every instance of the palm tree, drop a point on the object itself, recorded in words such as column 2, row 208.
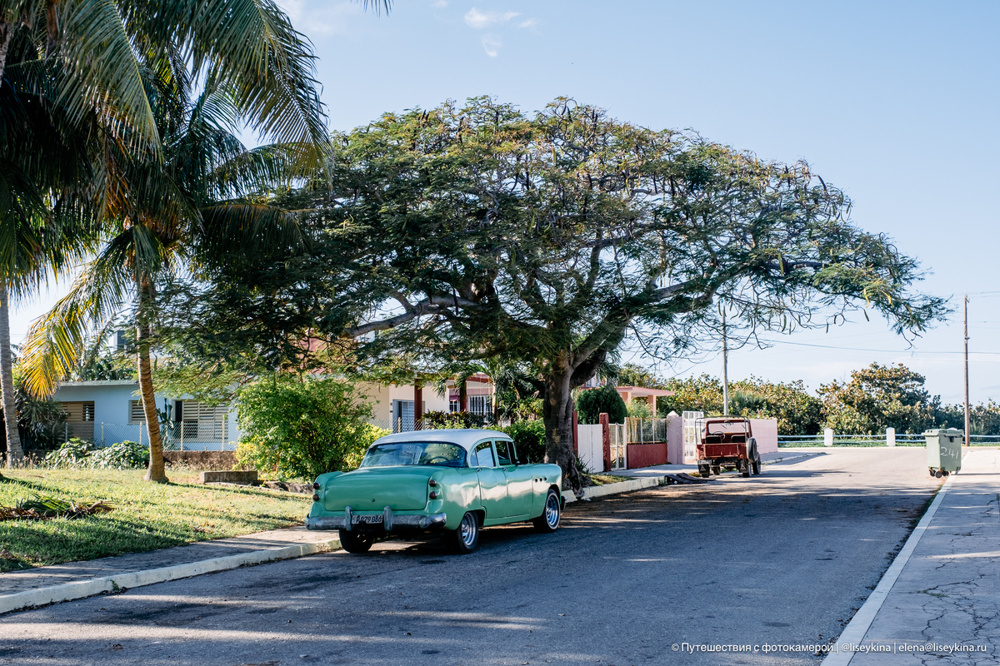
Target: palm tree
column 207, row 187
column 46, row 210
column 102, row 53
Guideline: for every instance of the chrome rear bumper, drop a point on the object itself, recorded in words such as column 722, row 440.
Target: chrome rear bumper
column 387, row 520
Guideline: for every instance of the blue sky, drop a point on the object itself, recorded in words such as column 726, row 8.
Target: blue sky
column 894, row 102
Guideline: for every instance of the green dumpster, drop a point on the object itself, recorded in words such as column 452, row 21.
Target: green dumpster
column 944, row 450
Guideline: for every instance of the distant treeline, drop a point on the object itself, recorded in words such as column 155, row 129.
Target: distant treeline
column 873, row 399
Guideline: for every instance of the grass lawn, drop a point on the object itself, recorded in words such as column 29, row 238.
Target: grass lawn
column 604, row 479
column 146, row 516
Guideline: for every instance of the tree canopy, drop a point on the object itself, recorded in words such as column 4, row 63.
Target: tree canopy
column 480, row 231
column 879, row 397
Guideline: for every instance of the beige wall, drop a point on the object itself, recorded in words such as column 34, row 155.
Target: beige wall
column 675, row 440
column 381, row 397
column 765, row 431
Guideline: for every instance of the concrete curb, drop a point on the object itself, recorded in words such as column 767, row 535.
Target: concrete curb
column 614, row 488
column 789, row 458
column 856, row 630
column 126, row 580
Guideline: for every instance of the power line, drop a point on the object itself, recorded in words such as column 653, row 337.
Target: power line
column 879, row 351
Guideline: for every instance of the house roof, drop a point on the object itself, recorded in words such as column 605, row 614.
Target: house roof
column 640, row 391
column 464, row 438
column 101, row 382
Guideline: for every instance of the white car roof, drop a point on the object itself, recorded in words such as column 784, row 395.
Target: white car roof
column 464, row 438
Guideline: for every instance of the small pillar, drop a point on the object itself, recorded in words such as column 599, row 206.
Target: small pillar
column 576, row 433
column 606, row 440
column 418, row 405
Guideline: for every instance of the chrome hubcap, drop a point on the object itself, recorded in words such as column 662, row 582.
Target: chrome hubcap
column 468, row 528
column 552, row 511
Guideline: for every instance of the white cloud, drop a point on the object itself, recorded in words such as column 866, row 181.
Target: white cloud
column 530, row 23
column 320, row 18
column 492, row 45
column 478, row 20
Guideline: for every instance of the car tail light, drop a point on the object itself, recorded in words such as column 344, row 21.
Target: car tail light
column 316, row 486
column 315, row 497
column 432, row 483
column 434, row 495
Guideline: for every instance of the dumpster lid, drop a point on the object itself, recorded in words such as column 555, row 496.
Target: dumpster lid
column 949, row 432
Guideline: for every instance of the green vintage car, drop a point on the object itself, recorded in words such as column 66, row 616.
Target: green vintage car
column 452, row 482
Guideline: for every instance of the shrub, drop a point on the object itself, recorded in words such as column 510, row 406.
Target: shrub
column 74, row 453
column 301, row 428
column 529, row 439
column 371, row 433
column 590, row 404
column 639, row 409
column 452, row 420
column 123, row 455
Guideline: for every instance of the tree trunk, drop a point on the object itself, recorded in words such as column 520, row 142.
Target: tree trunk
column 156, row 471
column 6, row 32
column 6, row 371
column 15, row 454
column 557, row 414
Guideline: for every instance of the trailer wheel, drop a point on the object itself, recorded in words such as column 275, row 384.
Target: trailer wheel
column 704, row 471
column 745, row 467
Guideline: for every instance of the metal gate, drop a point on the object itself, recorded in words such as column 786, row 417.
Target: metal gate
column 692, row 434
column 619, row 446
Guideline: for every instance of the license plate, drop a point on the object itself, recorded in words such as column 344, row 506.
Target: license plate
column 369, row 520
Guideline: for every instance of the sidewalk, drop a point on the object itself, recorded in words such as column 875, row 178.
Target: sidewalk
column 940, row 599
column 76, row 580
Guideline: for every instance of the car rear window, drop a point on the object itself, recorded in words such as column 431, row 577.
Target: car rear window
column 397, row 454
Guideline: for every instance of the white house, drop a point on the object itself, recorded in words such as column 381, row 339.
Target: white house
column 110, row 411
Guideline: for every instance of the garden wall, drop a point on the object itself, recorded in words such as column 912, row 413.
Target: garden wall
column 221, row 460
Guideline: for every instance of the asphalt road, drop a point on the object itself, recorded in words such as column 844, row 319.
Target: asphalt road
column 781, row 559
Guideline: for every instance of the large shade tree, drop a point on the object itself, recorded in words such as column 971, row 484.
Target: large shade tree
column 478, row 231
column 554, row 236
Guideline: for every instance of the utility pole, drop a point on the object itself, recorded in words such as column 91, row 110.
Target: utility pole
column 965, row 325
column 725, row 368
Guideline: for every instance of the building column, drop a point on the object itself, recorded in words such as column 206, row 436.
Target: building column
column 418, row 404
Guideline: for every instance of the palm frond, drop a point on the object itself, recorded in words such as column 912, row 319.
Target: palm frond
column 56, row 340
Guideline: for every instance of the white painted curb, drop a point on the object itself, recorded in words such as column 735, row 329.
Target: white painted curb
column 614, row 488
column 127, row 580
column 858, row 627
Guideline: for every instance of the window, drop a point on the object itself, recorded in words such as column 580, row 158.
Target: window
column 453, row 405
column 415, row 453
column 479, row 405
column 135, row 413
column 483, row 457
column 202, row 422
column 505, row 452
column 78, row 412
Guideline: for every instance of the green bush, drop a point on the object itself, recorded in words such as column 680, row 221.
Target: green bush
column 74, row 453
column 123, row 455
column 590, row 404
column 529, row 439
column 451, row 420
column 639, row 409
column 301, row 428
